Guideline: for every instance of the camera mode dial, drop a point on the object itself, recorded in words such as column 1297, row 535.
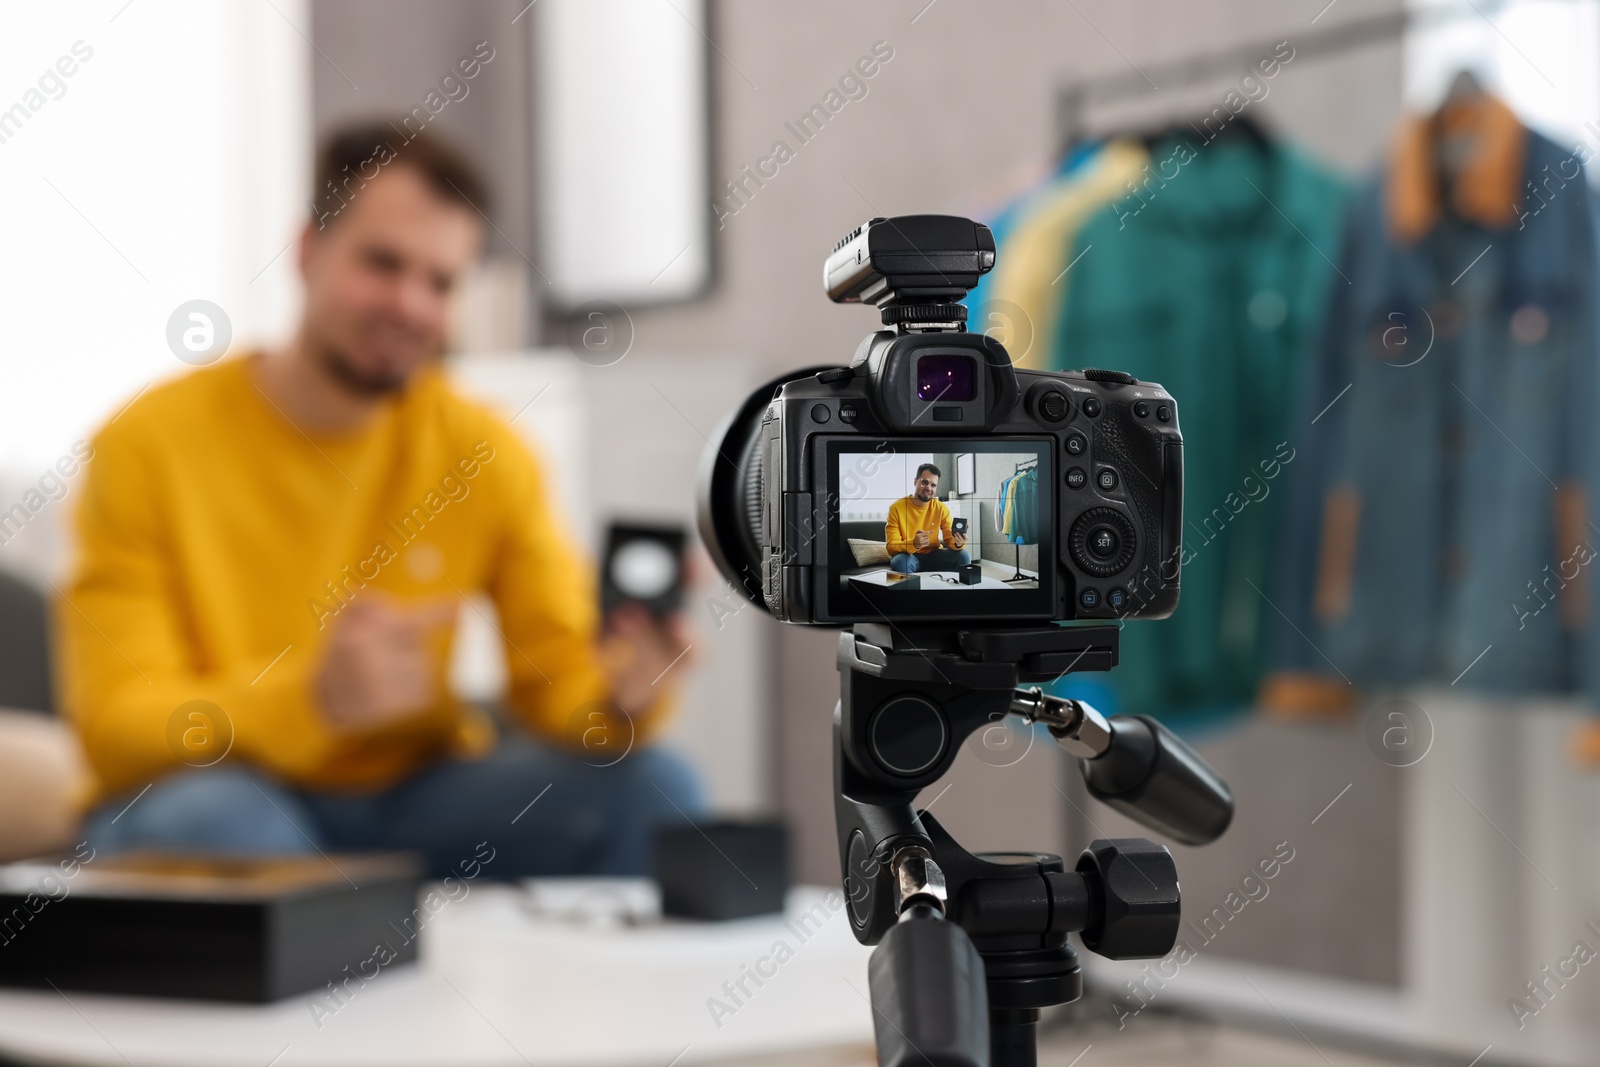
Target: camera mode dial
column 1102, row 542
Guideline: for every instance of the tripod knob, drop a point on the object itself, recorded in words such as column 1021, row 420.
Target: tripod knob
column 1133, row 898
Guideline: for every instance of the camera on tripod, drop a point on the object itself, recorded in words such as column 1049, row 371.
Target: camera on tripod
column 1083, row 469
column 932, row 440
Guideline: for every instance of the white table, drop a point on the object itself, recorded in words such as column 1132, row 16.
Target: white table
column 929, row 581
column 502, row 985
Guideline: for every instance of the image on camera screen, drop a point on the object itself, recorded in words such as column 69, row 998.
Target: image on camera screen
column 952, row 520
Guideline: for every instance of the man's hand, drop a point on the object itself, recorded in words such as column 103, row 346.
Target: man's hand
column 958, row 540
column 641, row 654
column 378, row 666
column 921, row 539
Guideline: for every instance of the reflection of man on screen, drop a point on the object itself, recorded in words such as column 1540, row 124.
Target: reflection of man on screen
column 916, row 522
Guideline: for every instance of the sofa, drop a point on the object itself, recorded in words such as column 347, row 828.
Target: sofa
column 869, row 530
column 42, row 770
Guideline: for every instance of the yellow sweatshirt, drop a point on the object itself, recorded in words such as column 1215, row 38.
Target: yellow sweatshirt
column 908, row 515
column 218, row 543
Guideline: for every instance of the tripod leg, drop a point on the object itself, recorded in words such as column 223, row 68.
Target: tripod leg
column 1017, row 575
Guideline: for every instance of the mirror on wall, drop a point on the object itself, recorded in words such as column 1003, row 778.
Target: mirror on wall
column 622, row 127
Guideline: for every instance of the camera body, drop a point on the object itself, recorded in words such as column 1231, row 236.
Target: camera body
column 931, row 480
column 1106, row 449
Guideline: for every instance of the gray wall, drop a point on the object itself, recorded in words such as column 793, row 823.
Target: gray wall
column 380, row 58
column 967, row 100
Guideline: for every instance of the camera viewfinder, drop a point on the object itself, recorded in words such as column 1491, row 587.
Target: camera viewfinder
column 948, row 378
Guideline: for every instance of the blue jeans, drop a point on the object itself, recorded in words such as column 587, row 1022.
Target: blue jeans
column 543, row 812
column 935, row 559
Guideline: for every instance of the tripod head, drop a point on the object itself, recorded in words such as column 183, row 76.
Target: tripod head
column 970, row 939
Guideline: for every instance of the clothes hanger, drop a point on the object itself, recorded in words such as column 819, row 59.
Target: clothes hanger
column 1451, row 153
column 1465, row 87
column 1240, row 127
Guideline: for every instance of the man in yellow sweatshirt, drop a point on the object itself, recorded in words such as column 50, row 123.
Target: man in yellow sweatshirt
column 918, row 529
column 272, row 553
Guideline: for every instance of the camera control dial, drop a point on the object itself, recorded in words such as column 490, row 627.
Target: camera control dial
column 1102, row 542
column 1117, row 377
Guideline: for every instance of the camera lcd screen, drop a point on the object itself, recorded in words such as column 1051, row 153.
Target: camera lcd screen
column 909, row 540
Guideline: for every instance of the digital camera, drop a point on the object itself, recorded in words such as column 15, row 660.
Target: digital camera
column 832, row 496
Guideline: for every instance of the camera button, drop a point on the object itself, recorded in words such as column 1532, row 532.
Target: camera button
column 1076, row 478
column 1164, row 413
column 1054, row 406
column 847, row 413
column 1091, row 406
column 1103, row 542
column 1116, row 598
column 1089, row 598
column 1106, row 479
column 1076, row 444
column 1142, row 409
column 820, row 413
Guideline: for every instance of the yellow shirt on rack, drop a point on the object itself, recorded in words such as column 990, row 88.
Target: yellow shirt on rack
column 1029, row 268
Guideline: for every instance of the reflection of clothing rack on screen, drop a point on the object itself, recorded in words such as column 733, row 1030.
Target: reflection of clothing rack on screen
column 1016, row 511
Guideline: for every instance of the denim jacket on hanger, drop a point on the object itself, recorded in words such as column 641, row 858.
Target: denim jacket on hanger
column 1454, row 393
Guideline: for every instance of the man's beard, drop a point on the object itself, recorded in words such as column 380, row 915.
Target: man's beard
column 342, row 369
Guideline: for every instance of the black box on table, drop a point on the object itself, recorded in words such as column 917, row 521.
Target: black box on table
column 206, row 927
column 722, row 870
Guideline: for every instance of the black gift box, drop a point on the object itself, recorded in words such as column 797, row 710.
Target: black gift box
column 722, row 870
column 205, row 927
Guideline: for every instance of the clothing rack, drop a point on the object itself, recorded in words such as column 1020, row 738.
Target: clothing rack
column 1344, row 36
column 1016, row 567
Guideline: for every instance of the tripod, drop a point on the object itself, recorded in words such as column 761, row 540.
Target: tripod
column 972, row 946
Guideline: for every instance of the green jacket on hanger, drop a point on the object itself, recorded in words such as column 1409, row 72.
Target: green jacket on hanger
column 1210, row 277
